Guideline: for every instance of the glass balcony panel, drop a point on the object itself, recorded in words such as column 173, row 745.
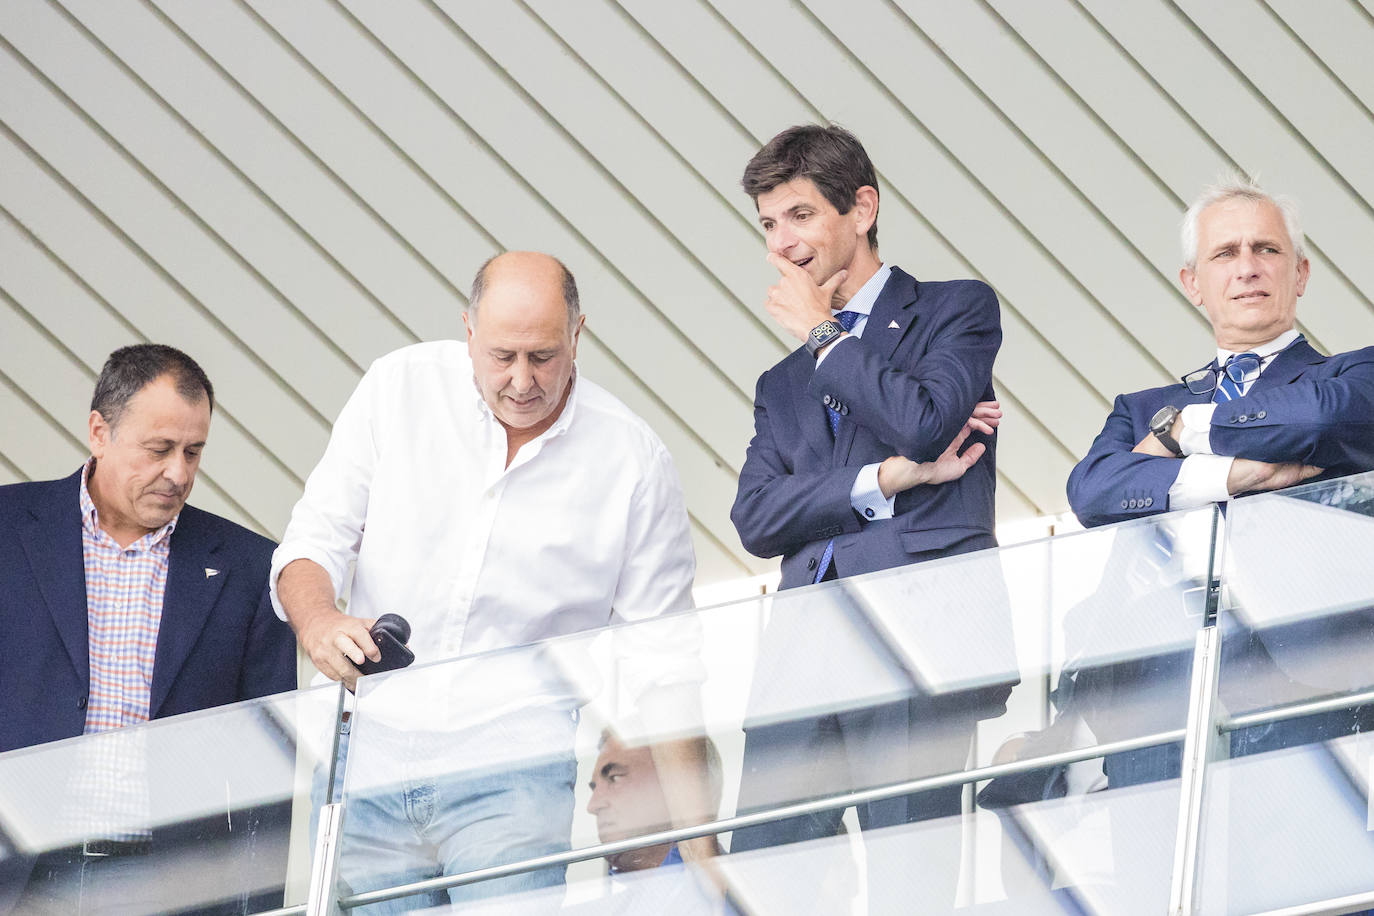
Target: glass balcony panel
column 183, row 814
column 828, row 707
column 1287, row 817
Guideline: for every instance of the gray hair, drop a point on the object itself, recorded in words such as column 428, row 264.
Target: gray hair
column 479, row 288
column 130, row 369
column 1237, row 186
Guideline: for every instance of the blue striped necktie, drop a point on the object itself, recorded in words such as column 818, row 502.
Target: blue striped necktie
column 847, row 321
column 1233, row 376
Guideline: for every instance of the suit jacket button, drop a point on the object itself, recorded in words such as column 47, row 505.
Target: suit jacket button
column 826, row 400
column 81, row 703
column 811, row 563
column 1125, row 504
column 1242, row 418
column 844, row 410
column 1149, row 501
column 1260, row 416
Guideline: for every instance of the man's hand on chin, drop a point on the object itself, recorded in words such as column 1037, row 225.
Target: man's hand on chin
column 796, row 302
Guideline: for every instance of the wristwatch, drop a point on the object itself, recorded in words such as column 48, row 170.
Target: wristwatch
column 822, row 334
column 1161, row 423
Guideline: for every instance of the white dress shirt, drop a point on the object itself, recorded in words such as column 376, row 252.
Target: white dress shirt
column 587, row 525
column 1202, row 478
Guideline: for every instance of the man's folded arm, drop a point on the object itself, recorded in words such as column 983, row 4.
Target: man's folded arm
column 919, row 409
column 1114, row 484
column 776, row 511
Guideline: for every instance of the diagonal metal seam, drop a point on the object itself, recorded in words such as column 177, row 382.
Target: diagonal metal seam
column 48, row 418
column 663, row 405
column 257, row 192
column 153, row 264
column 134, row 331
column 780, row 348
column 1265, row 102
column 519, row 90
column 1091, row 112
column 12, row 467
column 1316, row 59
column 1045, row 159
column 334, row 178
column 1177, row 107
column 992, row 199
column 134, row 163
column 386, row 139
column 710, row 536
column 796, row 809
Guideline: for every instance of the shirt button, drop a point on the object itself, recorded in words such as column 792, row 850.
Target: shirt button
column 81, row 703
column 811, row 563
column 868, row 512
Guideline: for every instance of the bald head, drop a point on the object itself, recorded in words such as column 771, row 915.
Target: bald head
column 537, row 274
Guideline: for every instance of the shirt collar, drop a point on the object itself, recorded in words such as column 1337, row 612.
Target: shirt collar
column 862, row 301
column 1264, row 351
column 90, row 515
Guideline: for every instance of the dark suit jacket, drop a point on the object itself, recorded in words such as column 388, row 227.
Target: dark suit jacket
column 1304, row 407
column 903, row 391
column 219, row 641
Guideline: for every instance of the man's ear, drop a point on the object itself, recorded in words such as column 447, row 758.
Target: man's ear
column 100, row 434
column 469, row 323
column 577, row 333
column 1304, row 269
column 1187, row 278
column 865, row 211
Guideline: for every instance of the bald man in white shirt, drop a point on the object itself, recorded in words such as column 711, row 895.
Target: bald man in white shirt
column 493, row 497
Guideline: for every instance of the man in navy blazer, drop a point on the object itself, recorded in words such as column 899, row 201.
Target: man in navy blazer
column 1268, row 412
column 873, row 447
column 179, row 607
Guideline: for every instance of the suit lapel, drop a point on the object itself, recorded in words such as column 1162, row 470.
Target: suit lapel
column 186, row 605
column 895, row 305
column 52, row 543
column 1288, row 365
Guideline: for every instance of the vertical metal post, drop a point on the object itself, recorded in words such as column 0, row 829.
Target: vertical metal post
column 324, row 867
column 1201, row 745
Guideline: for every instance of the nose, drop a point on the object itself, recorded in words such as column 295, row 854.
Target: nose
column 598, row 799
column 781, row 240
column 521, row 376
column 1247, row 265
column 179, row 470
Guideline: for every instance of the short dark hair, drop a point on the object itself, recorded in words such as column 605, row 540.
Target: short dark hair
column 831, row 157
column 130, row 369
column 570, row 299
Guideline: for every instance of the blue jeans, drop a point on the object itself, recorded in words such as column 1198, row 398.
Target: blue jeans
column 420, row 805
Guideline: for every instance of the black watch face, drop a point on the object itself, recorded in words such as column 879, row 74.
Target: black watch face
column 823, row 330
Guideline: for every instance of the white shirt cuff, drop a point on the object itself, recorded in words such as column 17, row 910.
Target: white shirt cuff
column 867, row 497
column 1196, row 437
column 831, row 346
column 1200, row 481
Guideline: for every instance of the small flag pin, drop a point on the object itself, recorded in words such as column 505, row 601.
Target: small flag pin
column 892, row 325
column 211, row 572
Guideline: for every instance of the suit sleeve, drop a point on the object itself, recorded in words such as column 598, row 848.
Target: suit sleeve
column 918, row 408
column 777, row 510
column 1114, row 484
column 269, row 664
column 1327, row 422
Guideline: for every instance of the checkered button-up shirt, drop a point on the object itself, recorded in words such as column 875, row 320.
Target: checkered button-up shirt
column 124, row 590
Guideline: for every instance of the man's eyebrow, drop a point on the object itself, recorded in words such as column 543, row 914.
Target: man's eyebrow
column 610, row 767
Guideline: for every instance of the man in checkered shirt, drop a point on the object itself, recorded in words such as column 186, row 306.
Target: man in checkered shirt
column 120, row 603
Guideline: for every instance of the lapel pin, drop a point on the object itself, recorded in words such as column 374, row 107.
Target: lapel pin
column 892, row 325
column 211, row 572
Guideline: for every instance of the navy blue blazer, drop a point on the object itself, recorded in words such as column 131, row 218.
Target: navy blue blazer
column 219, row 641
column 905, row 388
column 1304, row 407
